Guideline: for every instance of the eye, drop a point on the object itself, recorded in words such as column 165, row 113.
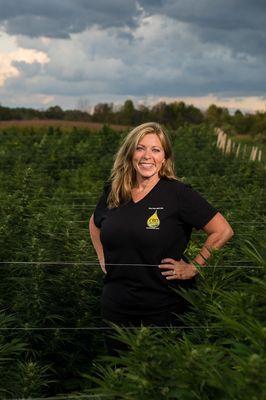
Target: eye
column 156, row 150
column 139, row 148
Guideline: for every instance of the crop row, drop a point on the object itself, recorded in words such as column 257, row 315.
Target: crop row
column 50, row 281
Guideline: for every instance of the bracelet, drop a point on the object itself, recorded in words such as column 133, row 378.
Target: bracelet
column 202, row 256
column 202, row 265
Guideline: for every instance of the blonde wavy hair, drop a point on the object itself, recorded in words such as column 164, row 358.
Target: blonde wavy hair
column 123, row 174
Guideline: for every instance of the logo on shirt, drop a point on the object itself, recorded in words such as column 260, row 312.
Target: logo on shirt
column 153, row 222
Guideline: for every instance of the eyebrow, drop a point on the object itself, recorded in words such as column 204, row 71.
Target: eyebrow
column 159, row 147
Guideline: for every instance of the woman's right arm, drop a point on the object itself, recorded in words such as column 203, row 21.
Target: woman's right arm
column 97, row 244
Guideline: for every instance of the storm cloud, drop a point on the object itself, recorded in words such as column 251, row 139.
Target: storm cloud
column 238, row 24
column 60, row 18
column 146, row 49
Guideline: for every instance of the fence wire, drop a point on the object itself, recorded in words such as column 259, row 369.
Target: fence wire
column 64, row 397
column 103, row 328
column 91, row 263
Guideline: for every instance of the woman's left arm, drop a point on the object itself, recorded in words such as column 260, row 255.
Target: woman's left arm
column 219, row 232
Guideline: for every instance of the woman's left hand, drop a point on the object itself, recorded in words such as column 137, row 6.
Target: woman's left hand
column 177, row 269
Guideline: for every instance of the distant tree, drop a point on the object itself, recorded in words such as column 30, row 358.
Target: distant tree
column 5, row 113
column 54, row 112
column 143, row 114
column 159, row 113
column 176, row 114
column 238, row 113
column 259, row 125
column 194, row 115
column 103, row 112
column 128, row 113
column 77, row 115
column 217, row 115
column 241, row 123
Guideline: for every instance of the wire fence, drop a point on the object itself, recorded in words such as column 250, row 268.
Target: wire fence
column 89, row 263
column 64, row 397
column 103, row 328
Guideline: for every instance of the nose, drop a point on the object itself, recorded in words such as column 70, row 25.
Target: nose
column 147, row 154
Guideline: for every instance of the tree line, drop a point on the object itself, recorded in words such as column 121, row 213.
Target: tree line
column 173, row 115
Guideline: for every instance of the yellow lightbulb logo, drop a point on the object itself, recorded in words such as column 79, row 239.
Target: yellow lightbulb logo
column 153, row 221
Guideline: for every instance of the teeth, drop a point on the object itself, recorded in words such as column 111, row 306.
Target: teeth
column 146, row 166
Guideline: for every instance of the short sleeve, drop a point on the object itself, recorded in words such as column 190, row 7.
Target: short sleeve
column 194, row 209
column 101, row 206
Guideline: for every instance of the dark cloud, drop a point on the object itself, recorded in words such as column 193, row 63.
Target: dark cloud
column 219, row 14
column 60, row 18
column 185, row 48
column 26, row 69
column 186, row 86
column 252, row 42
column 236, row 24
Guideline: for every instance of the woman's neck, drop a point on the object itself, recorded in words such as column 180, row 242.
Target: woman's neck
column 143, row 184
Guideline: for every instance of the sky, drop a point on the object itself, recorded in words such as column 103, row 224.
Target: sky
column 77, row 53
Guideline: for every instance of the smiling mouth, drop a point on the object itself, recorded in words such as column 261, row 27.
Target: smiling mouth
column 146, row 165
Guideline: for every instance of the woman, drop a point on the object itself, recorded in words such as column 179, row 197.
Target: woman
column 140, row 229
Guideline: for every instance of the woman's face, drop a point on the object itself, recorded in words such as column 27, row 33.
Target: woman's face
column 148, row 157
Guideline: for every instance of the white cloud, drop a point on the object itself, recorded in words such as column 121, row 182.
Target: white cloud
column 10, row 53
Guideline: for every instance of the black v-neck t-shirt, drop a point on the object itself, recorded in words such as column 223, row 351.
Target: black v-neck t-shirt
column 137, row 236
